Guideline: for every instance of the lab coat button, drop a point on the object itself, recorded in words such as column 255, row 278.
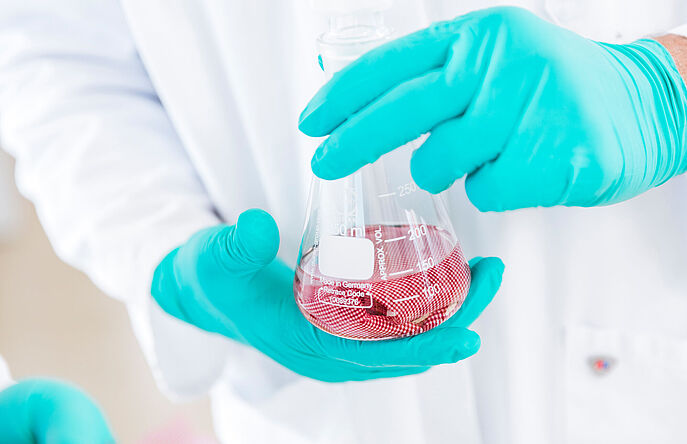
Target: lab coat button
column 601, row 365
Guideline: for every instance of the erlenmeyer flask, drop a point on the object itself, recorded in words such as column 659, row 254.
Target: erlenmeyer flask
column 379, row 258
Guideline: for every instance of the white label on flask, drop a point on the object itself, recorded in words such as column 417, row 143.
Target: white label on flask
column 346, row 257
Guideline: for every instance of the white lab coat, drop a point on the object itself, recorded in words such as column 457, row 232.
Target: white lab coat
column 5, row 377
column 136, row 123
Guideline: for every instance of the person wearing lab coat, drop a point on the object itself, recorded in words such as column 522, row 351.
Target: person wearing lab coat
column 137, row 125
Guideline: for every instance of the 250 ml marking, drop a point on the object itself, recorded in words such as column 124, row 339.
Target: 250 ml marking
column 406, row 189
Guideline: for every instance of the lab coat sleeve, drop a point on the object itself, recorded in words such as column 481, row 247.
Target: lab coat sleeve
column 97, row 155
column 680, row 30
column 5, row 377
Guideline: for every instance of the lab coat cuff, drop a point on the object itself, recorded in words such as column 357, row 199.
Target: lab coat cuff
column 185, row 360
column 5, row 376
column 680, row 30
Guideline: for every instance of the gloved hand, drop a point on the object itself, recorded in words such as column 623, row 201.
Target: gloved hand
column 39, row 411
column 226, row 279
column 535, row 115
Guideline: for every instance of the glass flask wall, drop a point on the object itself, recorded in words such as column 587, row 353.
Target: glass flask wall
column 379, row 258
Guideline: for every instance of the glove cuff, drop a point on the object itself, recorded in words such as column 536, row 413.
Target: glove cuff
column 670, row 98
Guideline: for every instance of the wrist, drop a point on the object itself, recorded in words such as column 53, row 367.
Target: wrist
column 676, row 48
column 665, row 93
column 676, row 45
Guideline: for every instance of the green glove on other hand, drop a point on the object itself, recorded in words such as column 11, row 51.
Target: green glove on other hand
column 535, row 115
column 40, row 411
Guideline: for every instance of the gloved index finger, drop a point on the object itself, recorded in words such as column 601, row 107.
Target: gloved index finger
column 399, row 116
column 374, row 73
column 487, row 274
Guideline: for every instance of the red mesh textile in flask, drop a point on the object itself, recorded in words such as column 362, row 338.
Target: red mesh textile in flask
column 418, row 283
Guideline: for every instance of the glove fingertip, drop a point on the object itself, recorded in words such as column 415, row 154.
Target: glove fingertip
column 487, row 275
column 321, row 166
column 306, row 125
column 495, row 264
column 468, row 350
column 258, row 235
column 466, row 344
column 311, row 121
column 474, row 261
column 480, row 194
column 447, row 345
column 422, row 172
column 164, row 287
column 316, row 164
column 485, row 268
column 471, row 342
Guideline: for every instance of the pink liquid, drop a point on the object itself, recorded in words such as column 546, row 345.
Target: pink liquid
column 419, row 281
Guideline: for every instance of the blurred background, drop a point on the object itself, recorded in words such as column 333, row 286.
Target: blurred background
column 55, row 322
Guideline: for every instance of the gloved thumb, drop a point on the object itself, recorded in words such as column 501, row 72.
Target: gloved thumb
column 224, row 256
column 250, row 244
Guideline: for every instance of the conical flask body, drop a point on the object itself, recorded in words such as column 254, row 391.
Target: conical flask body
column 379, row 258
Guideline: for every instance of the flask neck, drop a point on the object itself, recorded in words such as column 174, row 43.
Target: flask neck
column 354, row 26
column 349, row 36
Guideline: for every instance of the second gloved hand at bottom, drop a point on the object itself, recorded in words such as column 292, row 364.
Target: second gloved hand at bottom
column 41, row 411
column 226, row 279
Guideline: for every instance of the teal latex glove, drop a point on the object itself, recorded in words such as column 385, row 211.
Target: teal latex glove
column 535, row 115
column 40, row 411
column 226, row 280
